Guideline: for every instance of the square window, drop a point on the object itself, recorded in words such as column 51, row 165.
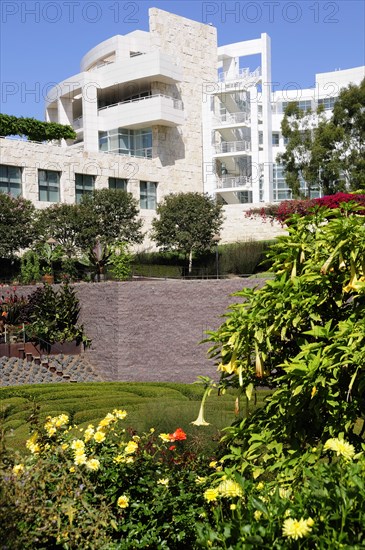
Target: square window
column 148, row 195
column 84, row 184
column 118, row 183
column 11, row 180
column 49, row 185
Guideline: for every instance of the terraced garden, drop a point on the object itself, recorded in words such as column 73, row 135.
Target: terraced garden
column 162, row 406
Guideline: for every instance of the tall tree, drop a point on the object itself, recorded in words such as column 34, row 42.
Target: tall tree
column 187, row 223
column 110, row 215
column 17, row 229
column 326, row 152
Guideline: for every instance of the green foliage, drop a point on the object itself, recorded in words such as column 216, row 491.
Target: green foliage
column 304, row 333
column 187, row 223
column 30, row 268
column 321, row 506
column 326, row 153
column 119, row 262
column 62, row 222
column 34, row 130
column 108, row 216
column 53, row 315
column 17, row 230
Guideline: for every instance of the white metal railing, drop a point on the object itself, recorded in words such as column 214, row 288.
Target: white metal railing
column 137, row 153
column 77, row 123
column 242, row 74
column 233, row 118
column 234, row 181
column 100, row 65
column 233, row 146
column 177, row 103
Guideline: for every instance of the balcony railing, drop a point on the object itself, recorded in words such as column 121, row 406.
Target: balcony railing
column 234, row 181
column 242, row 74
column 77, row 123
column 176, row 103
column 136, row 153
column 233, row 118
column 233, row 146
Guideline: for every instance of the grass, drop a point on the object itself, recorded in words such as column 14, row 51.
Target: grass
column 163, row 406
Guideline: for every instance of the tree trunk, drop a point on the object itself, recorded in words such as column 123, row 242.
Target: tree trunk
column 190, row 261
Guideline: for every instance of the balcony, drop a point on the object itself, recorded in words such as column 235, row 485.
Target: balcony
column 142, row 112
column 232, row 147
column 145, row 153
column 77, row 123
column 230, row 182
column 232, row 119
column 243, row 79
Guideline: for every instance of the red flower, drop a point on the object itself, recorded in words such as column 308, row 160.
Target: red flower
column 178, row 435
column 172, row 448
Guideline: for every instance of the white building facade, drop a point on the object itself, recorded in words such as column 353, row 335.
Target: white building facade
column 168, row 111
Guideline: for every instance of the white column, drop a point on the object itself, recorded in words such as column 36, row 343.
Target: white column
column 90, row 116
column 266, row 114
column 254, row 144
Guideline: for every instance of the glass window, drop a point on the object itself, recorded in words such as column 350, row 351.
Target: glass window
column 118, row 183
column 84, row 184
column 148, row 195
column 49, row 185
column 327, row 102
column 11, row 180
column 261, row 138
column 275, row 138
column 123, row 141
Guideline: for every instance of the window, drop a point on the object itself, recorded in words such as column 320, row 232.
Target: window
column 304, row 105
column 11, row 180
column 148, row 195
column 327, row 102
column 123, row 141
column 275, row 138
column 118, row 183
column 261, row 138
column 49, row 185
column 84, row 184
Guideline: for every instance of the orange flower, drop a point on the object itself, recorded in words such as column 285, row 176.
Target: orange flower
column 172, row 448
column 4, row 314
column 178, row 435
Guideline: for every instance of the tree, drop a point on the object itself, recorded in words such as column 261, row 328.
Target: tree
column 62, row 222
column 303, row 333
column 326, row 153
column 34, row 130
column 17, row 230
column 187, row 223
column 108, row 216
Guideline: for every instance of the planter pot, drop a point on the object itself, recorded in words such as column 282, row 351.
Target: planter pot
column 49, row 279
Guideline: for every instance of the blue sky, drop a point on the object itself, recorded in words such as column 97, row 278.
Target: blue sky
column 42, row 42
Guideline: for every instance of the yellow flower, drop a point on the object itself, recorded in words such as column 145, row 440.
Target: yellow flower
column 230, row 488
column 340, row 447
column 152, row 430
column 107, row 420
column 136, row 438
column 61, row 420
column 131, row 447
column 99, row 437
column 129, row 460
column 118, row 459
column 120, row 414
column 165, row 437
column 284, row 493
column 64, row 446
column 72, row 469
column 199, row 480
column 80, row 459
column 51, row 431
column 257, row 514
column 93, row 464
column 213, row 464
column 313, row 392
column 123, row 501
column 233, row 506
column 18, row 469
column 163, row 481
column 260, row 486
column 78, row 445
column 296, row 529
column 211, row 494
column 89, row 432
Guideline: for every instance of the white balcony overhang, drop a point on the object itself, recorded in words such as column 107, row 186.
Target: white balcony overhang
column 236, row 183
column 142, row 113
column 232, row 148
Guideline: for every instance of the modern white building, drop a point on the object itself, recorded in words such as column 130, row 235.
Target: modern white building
column 168, row 111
